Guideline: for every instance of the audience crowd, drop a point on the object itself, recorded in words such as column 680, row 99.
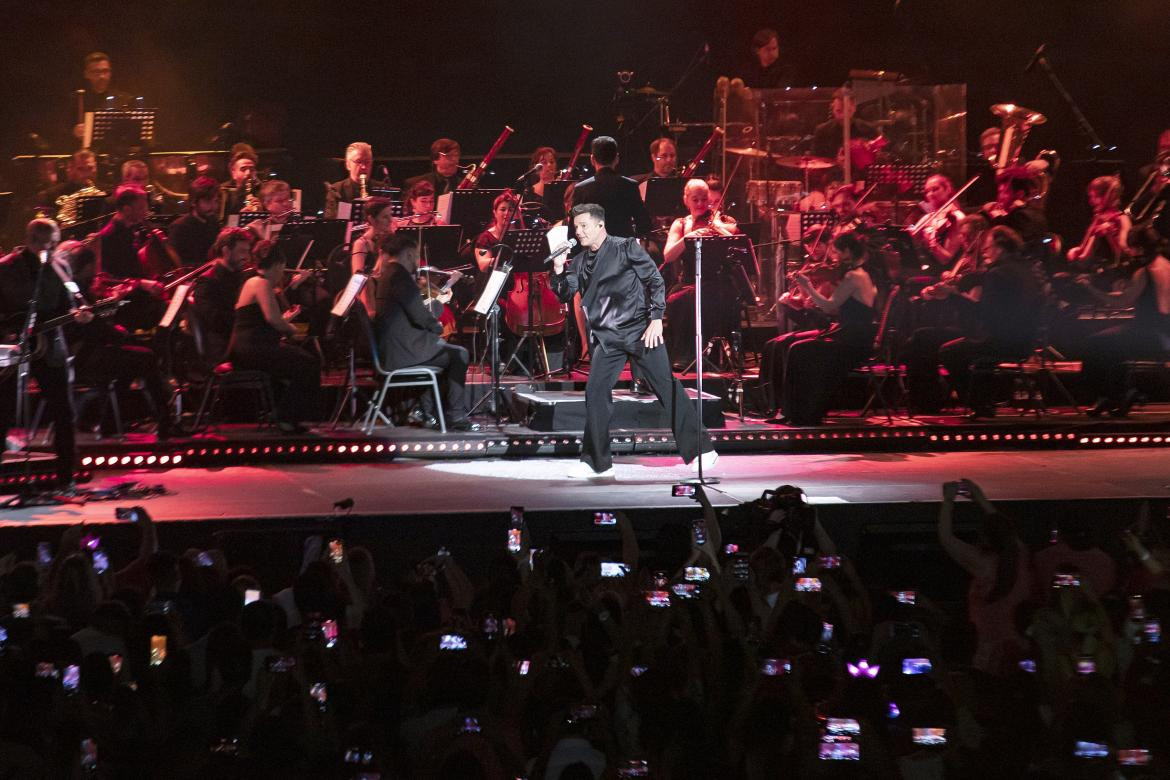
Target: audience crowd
column 741, row 644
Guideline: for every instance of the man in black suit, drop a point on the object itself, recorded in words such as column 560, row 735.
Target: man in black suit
column 446, row 175
column 359, row 161
column 626, row 214
column 408, row 334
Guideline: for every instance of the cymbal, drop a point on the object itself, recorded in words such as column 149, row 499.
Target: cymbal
column 648, row 90
column 805, row 162
column 1018, row 113
column 747, row 151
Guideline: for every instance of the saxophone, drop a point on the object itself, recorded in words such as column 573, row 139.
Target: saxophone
column 67, row 204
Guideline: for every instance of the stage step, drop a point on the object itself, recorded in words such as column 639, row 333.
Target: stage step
column 564, row 410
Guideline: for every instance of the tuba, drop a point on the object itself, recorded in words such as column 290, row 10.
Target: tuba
column 1017, row 123
column 67, row 204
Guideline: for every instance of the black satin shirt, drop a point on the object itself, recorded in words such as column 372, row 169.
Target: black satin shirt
column 621, row 292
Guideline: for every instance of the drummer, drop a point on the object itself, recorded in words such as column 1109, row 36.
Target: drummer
column 664, row 162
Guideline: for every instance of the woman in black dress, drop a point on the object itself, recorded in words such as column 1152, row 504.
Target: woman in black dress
column 256, row 343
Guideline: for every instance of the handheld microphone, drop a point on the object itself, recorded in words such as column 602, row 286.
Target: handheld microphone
column 560, row 250
column 534, row 169
column 1036, row 57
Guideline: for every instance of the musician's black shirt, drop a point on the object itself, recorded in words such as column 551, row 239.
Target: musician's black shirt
column 614, row 283
column 119, row 253
column 18, row 278
column 192, row 238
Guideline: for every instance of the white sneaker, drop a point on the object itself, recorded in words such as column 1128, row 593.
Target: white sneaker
column 708, row 459
column 582, row 470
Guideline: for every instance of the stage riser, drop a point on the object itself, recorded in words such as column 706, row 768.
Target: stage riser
column 557, row 412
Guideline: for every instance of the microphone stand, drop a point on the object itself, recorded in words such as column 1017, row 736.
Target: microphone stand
column 1096, row 145
column 699, row 357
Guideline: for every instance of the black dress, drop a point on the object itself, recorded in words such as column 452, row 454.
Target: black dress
column 296, row 374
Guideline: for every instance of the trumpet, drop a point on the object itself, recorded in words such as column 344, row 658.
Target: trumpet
column 1146, row 204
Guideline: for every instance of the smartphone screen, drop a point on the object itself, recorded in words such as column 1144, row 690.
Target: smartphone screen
column 115, row 663
column 929, row 736
column 685, row 590
column 660, row 580
column 329, row 632
column 609, row 569
column 604, row 518
column 1060, row 580
column 740, row 568
column 1153, row 631
column 683, row 491
column 44, row 554
column 1133, row 757
column 89, row 755
column 523, row 666
column 319, row 693
column 158, row 649
column 72, row 678
column 1086, row 666
column 826, row 632
column 280, row 663
column 251, row 595
column 516, row 530
column 808, row 585
column 1091, row 750
column 905, row 596
column 699, row 529
column 452, row 642
column 840, row 751
column 774, row 667
column 916, row 666
column 829, row 561
column 1028, row 665
column 46, row 669
column 696, row 574
column 658, row 598
column 20, row 610
column 799, row 565
column 101, row 561
column 336, row 550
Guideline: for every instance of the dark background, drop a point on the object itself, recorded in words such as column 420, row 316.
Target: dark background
column 400, row 74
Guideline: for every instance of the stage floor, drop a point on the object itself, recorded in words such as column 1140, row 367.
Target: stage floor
column 493, row 484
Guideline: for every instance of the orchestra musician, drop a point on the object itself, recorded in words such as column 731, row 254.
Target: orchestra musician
column 80, row 173
column 19, row 274
column 1146, row 336
column 118, row 243
column 1009, row 299
column 766, row 71
column 365, row 254
column 276, row 199
column 505, row 208
column 259, row 329
column 1107, row 236
column 193, row 234
column 418, row 207
column 624, row 298
column 242, row 192
column 616, row 194
column 409, row 334
column 720, row 312
column 217, row 289
column 545, row 202
column 357, row 185
column 663, row 161
column 829, row 135
column 989, row 142
column 806, row 367
column 446, row 173
column 98, row 94
column 1016, row 206
column 935, row 232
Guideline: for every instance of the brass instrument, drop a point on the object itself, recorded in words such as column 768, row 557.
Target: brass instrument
column 363, row 194
column 471, row 180
column 1146, row 204
column 67, row 204
column 1017, row 123
column 693, row 165
column 568, row 172
column 251, row 199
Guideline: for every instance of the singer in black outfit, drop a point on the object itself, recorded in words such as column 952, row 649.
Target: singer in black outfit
column 623, row 297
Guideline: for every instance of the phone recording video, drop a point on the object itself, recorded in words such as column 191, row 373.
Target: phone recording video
column 46, row 670
column 658, row 598
column 807, row 585
column 278, row 664
column 699, row 529
column 71, row 681
column 840, row 751
column 336, row 551
column 470, row 726
column 685, row 590
column 89, row 756
column 731, row 548
column 101, row 561
column 829, row 561
column 840, row 726
column 696, row 574
column 158, row 649
column 452, row 642
column 1153, row 631
column 1028, row 665
column 115, row 663
column 740, row 569
column 1133, row 757
column 20, row 610
column 1065, row 580
column 610, row 569
column 1090, row 749
column 916, row 666
column 905, row 596
column 799, row 565
column 329, row 632
column 523, row 666
column 1086, row 666
column 634, row 768
column 930, row 737
column 683, row 491
column 604, row 518
column 774, row 667
column 251, row 595
column 319, row 693
column 660, row 580
column 44, row 554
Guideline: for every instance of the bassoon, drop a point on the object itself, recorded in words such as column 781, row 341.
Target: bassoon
column 567, row 173
column 693, row 165
column 471, row 180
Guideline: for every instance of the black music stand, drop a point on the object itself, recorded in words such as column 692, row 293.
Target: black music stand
column 325, row 235
column 117, row 130
column 554, row 192
column 528, row 250
column 472, row 209
column 438, row 245
column 664, row 197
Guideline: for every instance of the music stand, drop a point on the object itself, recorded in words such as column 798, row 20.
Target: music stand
column 664, row 197
column 732, row 257
column 325, row 235
column 470, row 208
column 91, row 207
column 119, row 129
column 554, row 192
column 340, row 313
column 438, row 245
column 528, row 250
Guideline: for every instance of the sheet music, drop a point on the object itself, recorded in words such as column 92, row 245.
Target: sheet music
column 344, row 210
column 173, row 307
column 557, row 235
column 349, row 295
column 491, row 291
column 443, row 206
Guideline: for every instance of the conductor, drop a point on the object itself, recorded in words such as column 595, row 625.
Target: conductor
column 623, row 297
